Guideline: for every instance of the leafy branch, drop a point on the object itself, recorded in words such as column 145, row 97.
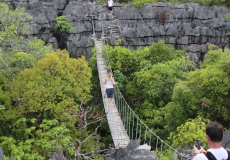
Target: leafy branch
column 63, row 25
column 86, row 117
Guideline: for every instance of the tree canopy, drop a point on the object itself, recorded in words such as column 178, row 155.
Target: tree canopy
column 43, row 95
column 54, row 83
column 14, row 26
column 163, row 86
column 48, row 95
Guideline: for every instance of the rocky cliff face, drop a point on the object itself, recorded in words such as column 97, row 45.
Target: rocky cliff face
column 185, row 26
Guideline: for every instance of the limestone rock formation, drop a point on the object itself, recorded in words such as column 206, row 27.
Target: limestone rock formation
column 1, row 153
column 57, row 156
column 187, row 26
column 226, row 139
column 131, row 152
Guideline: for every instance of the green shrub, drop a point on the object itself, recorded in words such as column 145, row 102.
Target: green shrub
column 178, row 1
column 101, row 1
column 203, row 2
column 141, row 3
column 63, row 25
column 227, row 17
column 219, row 2
column 213, row 47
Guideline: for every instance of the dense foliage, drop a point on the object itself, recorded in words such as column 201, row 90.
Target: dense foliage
column 227, row 17
column 13, row 27
column 164, row 88
column 44, row 95
column 63, row 25
column 188, row 132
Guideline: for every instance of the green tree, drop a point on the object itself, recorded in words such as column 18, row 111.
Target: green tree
column 124, row 62
column 4, row 91
column 150, row 75
column 212, row 57
column 41, row 143
column 188, row 132
column 140, row 4
column 37, row 48
column 63, row 25
column 155, row 86
column 204, row 2
column 51, row 97
column 205, row 92
column 14, row 31
column 15, row 61
column 96, row 88
column 21, row 61
column 177, row 111
column 14, row 24
column 52, row 89
column 52, row 136
column 122, row 59
column 160, row 52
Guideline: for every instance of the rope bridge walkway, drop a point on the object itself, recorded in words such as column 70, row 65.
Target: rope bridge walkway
column 124, row 124
column 119, row 134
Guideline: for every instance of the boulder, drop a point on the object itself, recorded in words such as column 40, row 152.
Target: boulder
column 133, row 151
column 1, row 153
column 226, row 139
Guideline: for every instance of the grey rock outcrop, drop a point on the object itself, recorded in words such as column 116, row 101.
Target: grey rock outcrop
column 226, row 139
column 57, row 156
column 131, row 152
column 1, row 153
column 187, row 26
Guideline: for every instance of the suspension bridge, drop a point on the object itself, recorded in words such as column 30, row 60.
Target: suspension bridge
column 124, row 124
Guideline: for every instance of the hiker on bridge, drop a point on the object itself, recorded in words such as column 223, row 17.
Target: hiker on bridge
column 214, row 135
column 110, row 6
column 109, row 82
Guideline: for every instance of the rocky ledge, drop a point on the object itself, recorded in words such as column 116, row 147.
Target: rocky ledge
column 187, row 26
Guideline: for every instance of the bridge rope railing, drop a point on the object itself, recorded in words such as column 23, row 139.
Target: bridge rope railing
column 138, row 130
column 135, row 127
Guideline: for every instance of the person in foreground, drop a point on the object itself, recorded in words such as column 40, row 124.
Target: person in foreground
column 214, row 135
column 109, row 82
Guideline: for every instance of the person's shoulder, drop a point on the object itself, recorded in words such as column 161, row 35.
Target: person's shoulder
column 221, row 148
column 217, row 150
column 220, row 151
column 200, row 156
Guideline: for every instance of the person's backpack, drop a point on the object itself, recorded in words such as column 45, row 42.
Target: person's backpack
column 210, row 156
